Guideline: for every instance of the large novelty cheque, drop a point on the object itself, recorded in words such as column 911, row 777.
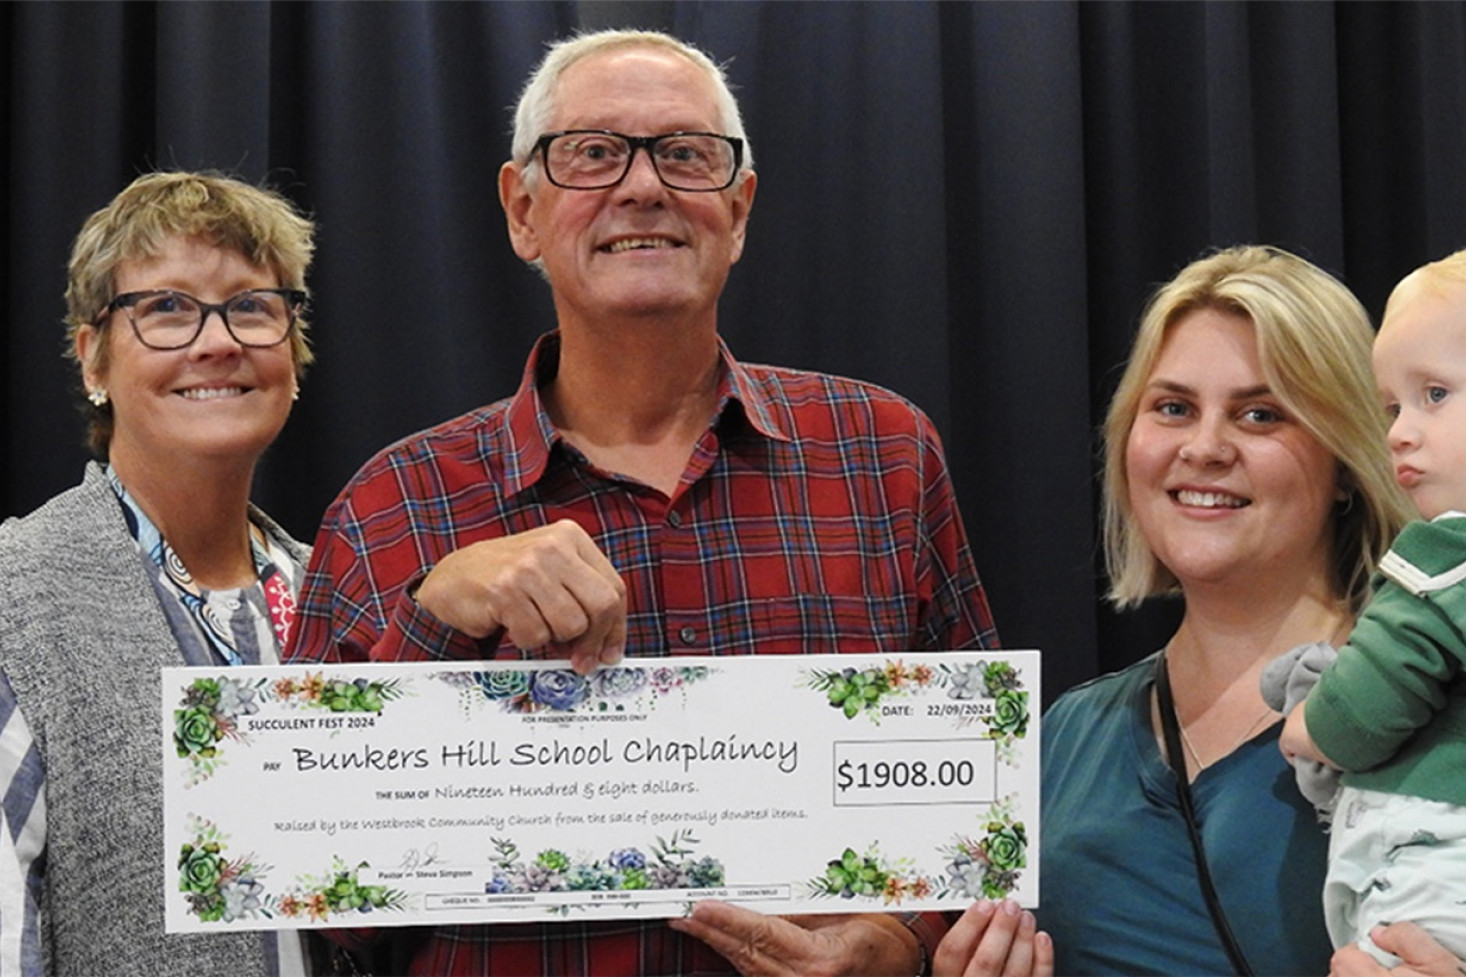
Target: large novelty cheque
column 474, row 792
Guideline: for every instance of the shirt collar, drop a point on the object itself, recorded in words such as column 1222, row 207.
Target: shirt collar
column 532, row 436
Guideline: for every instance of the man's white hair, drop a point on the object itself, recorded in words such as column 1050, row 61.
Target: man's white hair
column 537, row 102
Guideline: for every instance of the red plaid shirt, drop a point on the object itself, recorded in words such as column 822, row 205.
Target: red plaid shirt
column 815, row 516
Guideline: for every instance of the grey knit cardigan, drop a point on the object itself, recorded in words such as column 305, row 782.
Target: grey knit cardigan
column 82, row 639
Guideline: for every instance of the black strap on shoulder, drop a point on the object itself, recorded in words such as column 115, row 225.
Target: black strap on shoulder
column 1171, row 728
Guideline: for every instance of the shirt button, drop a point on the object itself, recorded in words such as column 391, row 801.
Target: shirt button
column 688, row 635
column 232, row 604
column 675, row 518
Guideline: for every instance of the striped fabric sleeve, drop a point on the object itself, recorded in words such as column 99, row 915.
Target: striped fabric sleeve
column 22, row 840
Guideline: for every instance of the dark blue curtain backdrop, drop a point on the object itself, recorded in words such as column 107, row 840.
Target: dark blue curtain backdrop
column 968, row 203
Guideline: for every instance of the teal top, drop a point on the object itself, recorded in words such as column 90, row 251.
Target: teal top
column 1391, row 711
column 1118, row 889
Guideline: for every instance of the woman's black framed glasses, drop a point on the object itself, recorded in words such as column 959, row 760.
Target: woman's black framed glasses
column 167, row 319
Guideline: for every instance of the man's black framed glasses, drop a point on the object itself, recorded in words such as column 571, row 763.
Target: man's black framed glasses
column 594, row 159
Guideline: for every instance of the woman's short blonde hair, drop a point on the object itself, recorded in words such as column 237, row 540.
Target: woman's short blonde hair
column 1313, row 338
column 257, row 222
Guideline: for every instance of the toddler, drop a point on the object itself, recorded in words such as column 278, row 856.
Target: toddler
column 1391, row 710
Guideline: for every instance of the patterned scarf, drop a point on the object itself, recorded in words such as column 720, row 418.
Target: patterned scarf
column 243, row 626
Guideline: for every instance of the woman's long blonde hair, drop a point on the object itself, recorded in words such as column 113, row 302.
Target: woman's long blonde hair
column 1313, row 338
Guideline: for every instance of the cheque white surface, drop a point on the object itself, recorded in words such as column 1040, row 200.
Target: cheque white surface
column 382, row 795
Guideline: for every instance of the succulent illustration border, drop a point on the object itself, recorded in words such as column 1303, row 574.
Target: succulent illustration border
column 223, row 889
column 863, row 691
column 988, row 864
column 212, row 706
column 672, row 864
column 561, row 690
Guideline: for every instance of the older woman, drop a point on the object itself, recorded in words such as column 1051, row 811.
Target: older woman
column 184, row 301
column 1245, row 472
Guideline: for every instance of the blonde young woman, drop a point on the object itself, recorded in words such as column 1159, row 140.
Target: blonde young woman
column 184, row 309
column 1245, row 474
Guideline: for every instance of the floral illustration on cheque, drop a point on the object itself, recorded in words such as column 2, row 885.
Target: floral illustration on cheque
column 991, row 693
column 560, row 690
column 211, row 709
column 871, row 876
column 221, row 889
column 671, row 866
column 988, row 864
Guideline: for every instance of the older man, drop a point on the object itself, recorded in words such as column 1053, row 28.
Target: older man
column 643, row 492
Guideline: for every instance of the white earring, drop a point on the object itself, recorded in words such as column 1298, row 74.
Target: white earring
column 98, row 397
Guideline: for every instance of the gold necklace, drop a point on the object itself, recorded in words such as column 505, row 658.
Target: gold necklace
column 1267, row 711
